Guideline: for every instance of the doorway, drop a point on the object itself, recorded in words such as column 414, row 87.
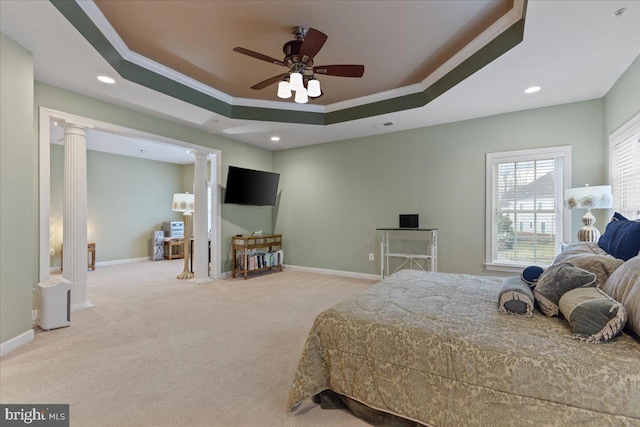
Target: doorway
column 48, row 116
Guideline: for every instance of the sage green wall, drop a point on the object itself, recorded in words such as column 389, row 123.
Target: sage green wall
column 127, row 199
column 18, row 194
column 622, row 102
column 333, row 196
column 236, row 219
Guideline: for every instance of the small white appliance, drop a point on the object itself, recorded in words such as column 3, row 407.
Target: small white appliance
column 55, row 303
column 173, row 228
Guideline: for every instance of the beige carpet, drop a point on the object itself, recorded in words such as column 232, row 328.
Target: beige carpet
column 157, row 351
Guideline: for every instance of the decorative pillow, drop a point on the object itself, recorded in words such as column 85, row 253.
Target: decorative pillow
column 579, row 250
column 594, row 316
column 591, row 257
column 556, row 281
column 531, row 275
column 624, row 287
column 515, row 297
column 602, row 265
column 621, row 238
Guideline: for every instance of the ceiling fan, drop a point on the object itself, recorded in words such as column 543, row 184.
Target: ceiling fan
column 299, row 54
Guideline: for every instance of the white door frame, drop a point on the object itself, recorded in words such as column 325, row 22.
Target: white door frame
column 44, row 140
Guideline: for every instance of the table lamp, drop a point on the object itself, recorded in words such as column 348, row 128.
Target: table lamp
column 598, row 197
column 185, row 202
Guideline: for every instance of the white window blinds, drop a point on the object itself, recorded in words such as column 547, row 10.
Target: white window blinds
column 525, row 206
column 624, row 167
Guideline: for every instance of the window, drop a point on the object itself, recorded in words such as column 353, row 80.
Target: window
column 526, row 187
column 624, row 168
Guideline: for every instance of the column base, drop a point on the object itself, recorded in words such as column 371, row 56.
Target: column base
column 81, row 306
column 201, row 280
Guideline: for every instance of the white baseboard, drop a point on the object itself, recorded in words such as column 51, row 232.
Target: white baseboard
column 333, row 272
column 15, row 342
column 122, row 261
column 114, row 262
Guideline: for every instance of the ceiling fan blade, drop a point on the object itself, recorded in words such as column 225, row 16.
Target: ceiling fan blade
column 258, row 56
column 340, row 70
column 313, row 42
column 269, row 81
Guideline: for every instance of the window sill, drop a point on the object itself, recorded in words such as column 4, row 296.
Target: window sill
column 508, row 268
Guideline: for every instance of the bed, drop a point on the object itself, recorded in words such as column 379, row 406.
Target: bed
column 432, row 348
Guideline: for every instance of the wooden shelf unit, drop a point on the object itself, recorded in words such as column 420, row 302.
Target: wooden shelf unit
column 244, row 244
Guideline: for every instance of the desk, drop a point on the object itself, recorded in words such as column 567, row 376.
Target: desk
column 431, row 252
column 91, row 252
column 174, row 242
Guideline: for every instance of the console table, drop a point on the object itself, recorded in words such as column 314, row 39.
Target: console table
column 255, row 253
column 431, row 246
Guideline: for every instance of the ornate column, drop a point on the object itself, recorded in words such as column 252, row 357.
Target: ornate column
column 74, row 234
column 200, row 221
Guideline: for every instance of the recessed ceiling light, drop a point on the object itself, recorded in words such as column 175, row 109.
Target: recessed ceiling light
column 532, row 89
column 106, row 79
column 275, row 138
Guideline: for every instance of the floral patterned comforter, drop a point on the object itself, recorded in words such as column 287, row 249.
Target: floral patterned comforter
column 432, row 347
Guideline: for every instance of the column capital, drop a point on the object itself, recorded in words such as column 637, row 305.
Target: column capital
column 73, row 128
column 199, row 155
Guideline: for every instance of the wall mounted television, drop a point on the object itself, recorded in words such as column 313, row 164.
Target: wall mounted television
column 251, row 187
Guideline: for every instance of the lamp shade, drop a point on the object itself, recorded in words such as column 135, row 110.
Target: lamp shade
column 183, row 202
column 598, row 197
column 295, row 81
column 284, row 91
column 301, row 96
column 313, row 88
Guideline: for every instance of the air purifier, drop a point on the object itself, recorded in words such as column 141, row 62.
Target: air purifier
column 55, row 303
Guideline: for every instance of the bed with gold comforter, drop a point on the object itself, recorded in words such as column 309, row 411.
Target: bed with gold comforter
column 433, row 348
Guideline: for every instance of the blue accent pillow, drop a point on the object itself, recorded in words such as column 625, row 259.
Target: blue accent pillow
column 532, row 274
column 621, row 238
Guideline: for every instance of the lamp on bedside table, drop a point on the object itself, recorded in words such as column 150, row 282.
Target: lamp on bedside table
column 184, row 202
column 598, row 197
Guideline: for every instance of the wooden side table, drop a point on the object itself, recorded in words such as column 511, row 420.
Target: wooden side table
column 171, row 243
column 91, row 251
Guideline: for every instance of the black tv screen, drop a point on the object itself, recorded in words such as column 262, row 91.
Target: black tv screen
column 251, row 187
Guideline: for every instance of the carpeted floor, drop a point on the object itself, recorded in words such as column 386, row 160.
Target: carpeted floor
column 157, row 351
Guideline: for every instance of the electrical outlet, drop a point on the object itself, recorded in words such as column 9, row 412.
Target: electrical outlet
column 371, row 258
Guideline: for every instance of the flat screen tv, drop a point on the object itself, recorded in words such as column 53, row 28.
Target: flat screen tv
column 251, row 187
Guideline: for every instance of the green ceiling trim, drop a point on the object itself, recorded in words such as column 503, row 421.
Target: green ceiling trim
column 491, row 51
column 140, row 75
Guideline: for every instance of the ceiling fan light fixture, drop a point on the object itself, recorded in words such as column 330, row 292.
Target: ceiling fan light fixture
column 301, row 96
column 295, row 81
column 313, row 88
column 284, row 90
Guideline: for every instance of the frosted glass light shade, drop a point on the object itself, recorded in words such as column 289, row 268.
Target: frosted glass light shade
column 284, row 91
column 313, row 88
column 295, row 81
column 301, row 96
column 183, row 202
